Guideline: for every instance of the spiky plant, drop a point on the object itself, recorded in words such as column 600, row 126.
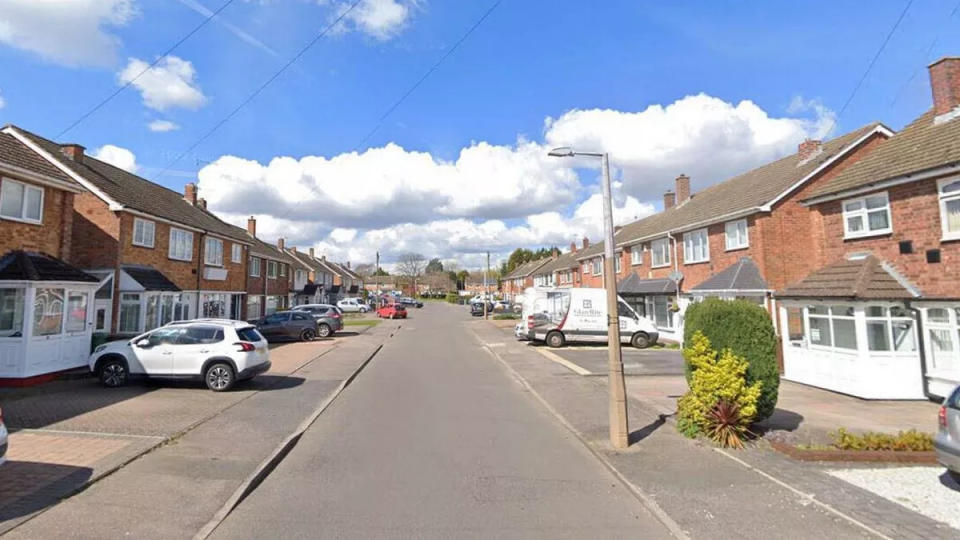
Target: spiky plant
column 726, row 426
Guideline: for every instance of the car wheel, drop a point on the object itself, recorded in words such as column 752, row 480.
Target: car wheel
column 307, row 334
column 219, row 377
column 113, row 372
column 362, row 310
column 324, row 330
column 640, row 340
column 556, row 340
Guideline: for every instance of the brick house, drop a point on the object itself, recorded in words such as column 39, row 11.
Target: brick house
column 514, row 283
column 161, row 255
column 269, row 278
column 313, row 280
column 346, row 282
column 563, row 270
column 880, row 315
column 739, row 238
column 46, row 304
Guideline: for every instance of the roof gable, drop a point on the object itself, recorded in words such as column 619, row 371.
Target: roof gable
column 16, row 154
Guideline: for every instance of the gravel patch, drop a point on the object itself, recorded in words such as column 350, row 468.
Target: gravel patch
column 925, row 490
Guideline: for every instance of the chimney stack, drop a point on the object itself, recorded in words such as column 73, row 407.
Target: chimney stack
column 190, row 193
column 348, row 265
column 586, row 242
column 945, row 84
column 555, row 252
column 312, row 254
column 808, row 149
column 669, row 200
column 683, row 188
column 252, row 226
column 573, row 247
column 294, row 249
column 280, row 243
column 73, row 151
column 202, row 203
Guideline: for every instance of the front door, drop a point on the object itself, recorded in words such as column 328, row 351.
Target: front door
column 155, row 352
column 101, row 314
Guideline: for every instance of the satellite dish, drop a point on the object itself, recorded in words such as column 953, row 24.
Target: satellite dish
column 676, row 276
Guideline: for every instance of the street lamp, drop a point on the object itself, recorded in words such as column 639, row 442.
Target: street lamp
column 619, row 430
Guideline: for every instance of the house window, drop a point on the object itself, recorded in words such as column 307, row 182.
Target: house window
column 943, row 327
column 213, row 252
column 949, row 191
column 866, row 216
column 736, row 234
column 301, row 276
column 76, row 311
column 11, row 312
column 658, row 308
column 616, row 263
column 597, row 266
column 48, row 312
column 20, row 201
column 636, row 254
column 695, row 247
column 660, row 252
column 283, row 269
column 253, row 307
column 129, row 313
column 236, row 253
column 181, row 245
column 271, row 306
column 271, row 269
column 254, row 267
column 832, row 326
column 890, row 329
column 143, row 232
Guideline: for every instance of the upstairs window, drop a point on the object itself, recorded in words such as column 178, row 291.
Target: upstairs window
column 736, row 234
column 696, row 247
column 949, row 191
column 660, row 252
column 20, row 201
column 213, row 252
column 283, row 270
column 143, row 232
column 597, row 266
column 236, row 253
column 271, row 269
column 254, row 265
column 616, row 263
column 636, row 254
column 866, row 216
column 181, row 245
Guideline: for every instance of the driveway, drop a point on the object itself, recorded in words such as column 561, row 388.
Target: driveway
column 593, row 359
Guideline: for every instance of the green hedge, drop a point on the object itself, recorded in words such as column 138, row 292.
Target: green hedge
column 453, row 298
column 746, row 329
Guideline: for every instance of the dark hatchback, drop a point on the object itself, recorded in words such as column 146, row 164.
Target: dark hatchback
column 288, row 326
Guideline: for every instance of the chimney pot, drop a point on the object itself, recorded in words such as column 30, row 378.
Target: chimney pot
column 808, row 149
column 190, row 193
column 573, row 247
column 683, row 189
column 294, row 249
column 669, row 200
column 945, row 84
column 73, row 151
column 202, row 203
column 280, row 243
column 586, row 242
column 252, row 226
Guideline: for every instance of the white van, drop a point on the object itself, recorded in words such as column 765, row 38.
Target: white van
column 558, row 316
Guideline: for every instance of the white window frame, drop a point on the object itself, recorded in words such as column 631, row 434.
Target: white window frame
column 734, row 227
column 864, row 214
column 616, row 262
column 636, row 255
column 175, row 255
column 236, row 253
column 944, row 199
column 597, row 266
column 689, row 248
column 23, row 202
column 254, row 265
column 889, row 321
column 952, row 328
column 143, row 240
column 282, row 269
column 271, row 269
column 830, row 317
column 655, row 248
column 213, row 251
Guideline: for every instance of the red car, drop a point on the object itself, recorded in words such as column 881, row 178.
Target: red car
column 392, row 311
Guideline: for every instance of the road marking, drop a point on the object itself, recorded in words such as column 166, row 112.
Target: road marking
column 89, row 433
column 562, row 361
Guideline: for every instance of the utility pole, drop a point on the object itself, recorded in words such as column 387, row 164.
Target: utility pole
column 619, row 425
column 376, row 273
column 486, row 288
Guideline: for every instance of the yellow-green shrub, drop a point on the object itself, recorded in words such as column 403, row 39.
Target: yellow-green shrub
column 715, row 377
column 903, row 441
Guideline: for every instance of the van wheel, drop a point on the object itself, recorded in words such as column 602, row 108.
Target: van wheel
column 219, row 377
column 113, row 372
column 556, row 340
column 640, row 340
column 324, row 330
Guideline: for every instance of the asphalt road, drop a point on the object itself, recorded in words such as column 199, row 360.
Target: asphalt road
column 435, row 440
column 593, row 358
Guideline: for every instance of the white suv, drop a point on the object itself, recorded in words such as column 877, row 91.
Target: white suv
column 219, row 351
column 3, row 440
column 352, row 305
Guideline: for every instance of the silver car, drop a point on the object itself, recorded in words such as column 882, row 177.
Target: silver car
column 329, row 318
column 947, row 442
column 3, row 440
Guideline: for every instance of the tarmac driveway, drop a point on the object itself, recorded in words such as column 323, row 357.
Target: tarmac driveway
column 635, row 361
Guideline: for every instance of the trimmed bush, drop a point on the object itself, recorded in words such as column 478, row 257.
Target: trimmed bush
column 717, row 378
column 903, row 441
column 453, row 298
column 747, row 330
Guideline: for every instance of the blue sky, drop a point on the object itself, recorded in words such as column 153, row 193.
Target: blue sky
column 529, row 61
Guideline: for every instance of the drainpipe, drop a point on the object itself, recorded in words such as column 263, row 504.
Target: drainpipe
column 922, row 350
column 676, row 267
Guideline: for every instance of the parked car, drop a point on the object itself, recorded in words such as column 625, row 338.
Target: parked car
column 392, row 311
column 407, row 301
column 947, row 441
column 520, row 330
column 288, row 326
column 353, row 305
column 221, row 352
column 328, row 317
column 3, row 439
column 476, row 309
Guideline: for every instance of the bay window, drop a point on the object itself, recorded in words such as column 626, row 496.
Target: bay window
column 76, row 311
column 181, row 245
column 660, row 252
column 143, row 232
column 213, row 252
column 736, row 234
column 949, row 193
column 658, row 309
column 11, row 312
column 129, row 313
column 890, row 329
column 866, row 216
column 48, row 312
column 19, row 201
column 832, row 326
column 696, row 248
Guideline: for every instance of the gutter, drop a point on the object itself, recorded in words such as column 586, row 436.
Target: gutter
column 891, row 182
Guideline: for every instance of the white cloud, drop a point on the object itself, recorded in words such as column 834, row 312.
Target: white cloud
column 380, row 19
column 117, row 156
column 3, row 102
column 170, row 83
column 162, row 126
column 72, row 33
column 497, row 197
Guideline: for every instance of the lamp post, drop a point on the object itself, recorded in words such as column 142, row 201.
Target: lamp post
column 619, row 430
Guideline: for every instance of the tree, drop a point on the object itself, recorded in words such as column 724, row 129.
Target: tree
column 381, row 272
column 365, row 270
column 411, row 265
column 434, row 266
column 462, row 279
column 518, row 257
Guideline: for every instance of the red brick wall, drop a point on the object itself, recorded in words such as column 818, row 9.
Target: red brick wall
column 915, row 216
column 275, row 286
column 46, row 237
column 95, row 233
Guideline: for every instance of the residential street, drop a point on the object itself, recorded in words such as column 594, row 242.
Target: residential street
column 436, row 440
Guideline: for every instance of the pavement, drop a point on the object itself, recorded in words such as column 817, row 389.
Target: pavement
column 435, row 439
column 168, row 453
column 593, row 359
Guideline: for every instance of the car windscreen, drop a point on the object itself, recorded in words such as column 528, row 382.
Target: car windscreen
column 249, row 334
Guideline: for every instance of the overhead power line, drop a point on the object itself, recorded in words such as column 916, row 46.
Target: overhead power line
column 160, row 58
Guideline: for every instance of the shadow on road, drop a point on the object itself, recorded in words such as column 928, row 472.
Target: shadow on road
column 780, row 420
column 949, row 482
column 27, row 487
column 648, row 429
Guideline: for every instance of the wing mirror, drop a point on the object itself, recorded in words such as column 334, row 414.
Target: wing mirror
column 143, row 343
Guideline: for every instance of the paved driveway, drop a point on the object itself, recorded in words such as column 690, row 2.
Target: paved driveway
column 635, row 361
